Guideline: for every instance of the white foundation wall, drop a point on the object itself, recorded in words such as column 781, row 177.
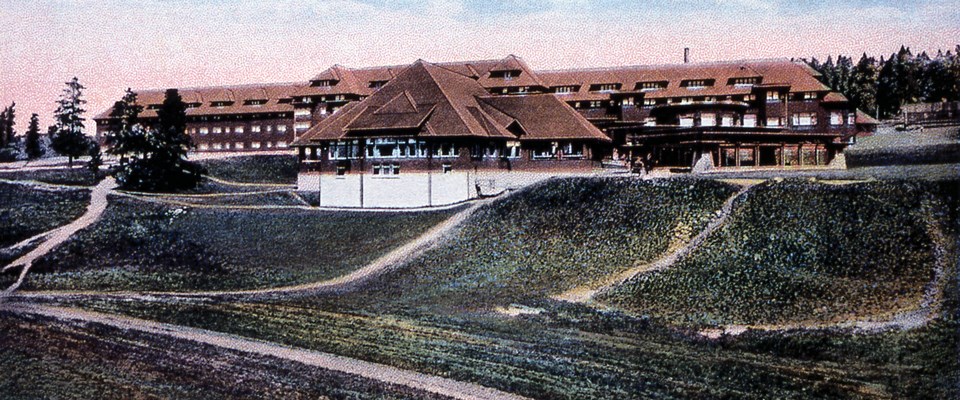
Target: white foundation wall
column 413, row 190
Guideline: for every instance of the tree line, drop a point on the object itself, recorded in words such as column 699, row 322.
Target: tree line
column 882, row 87
column 152, row 157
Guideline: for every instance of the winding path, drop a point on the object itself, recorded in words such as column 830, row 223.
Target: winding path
column 53, row 238
column 584, row 294
column 381, row 265
column 945, row 256
column 365, row 369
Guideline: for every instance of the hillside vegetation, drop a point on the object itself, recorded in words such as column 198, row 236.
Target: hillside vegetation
column 146, row 246
column 551, row 237
column 26, row 211
column 279, row 169
column 797, row 251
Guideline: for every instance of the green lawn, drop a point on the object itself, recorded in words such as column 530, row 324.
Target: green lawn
column 571, row 352
column 26, row 211
column 279, row 169
column 46, row 359
column 549, row 238
column 78, row 176
column 798, row 250
column 145, row 246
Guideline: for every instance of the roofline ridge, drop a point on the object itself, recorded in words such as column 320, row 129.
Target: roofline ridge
column 224, row 87
column 648, row 66
column 444, row 92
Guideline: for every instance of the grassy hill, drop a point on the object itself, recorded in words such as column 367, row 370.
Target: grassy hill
column 146, row 246
column 26, row 211
column 274, row 169
column 549, row 238
column 798, row 250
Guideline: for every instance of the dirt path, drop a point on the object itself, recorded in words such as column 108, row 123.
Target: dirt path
column 945, row 253
column 587, row 293
column 381, row 265
column 365, row 369
column 98, row 203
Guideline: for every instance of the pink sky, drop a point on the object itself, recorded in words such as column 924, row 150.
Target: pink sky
column 114, row 44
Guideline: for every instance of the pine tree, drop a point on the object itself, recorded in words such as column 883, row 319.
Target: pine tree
column 887, row 88
column 125, row 135
column 163, row 164
column 33, row 148
column 69, row 139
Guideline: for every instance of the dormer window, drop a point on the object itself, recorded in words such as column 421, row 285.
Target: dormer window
column 773, row 96
column 696, row 84
column 377, row 84
column 604, row 87
column 193, row 105
column 809, row 96
column 324, row 82
column 563, row 89
column 505, row 75
column 153, row 106
column 744, row 82
column 254, row 102
column 651, row 86
column 220, row 104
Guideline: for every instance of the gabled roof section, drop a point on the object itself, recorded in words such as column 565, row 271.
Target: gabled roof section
column 431, row 100
column 525, row 76
column 545, row 117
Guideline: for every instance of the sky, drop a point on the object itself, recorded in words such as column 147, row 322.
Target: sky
column 111, row 45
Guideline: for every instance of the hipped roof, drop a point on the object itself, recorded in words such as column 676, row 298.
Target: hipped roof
column 234, row 98
column 430, row 100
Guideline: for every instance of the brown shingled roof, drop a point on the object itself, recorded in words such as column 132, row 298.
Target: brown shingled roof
column 236, row 95
column 431, row 100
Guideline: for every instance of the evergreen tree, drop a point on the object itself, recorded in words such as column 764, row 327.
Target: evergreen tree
column 9, row 121
column 887, row 88
column 33, row 147
column 163, row 165
column 863, row 84
column 125, row 135
column 69, row 139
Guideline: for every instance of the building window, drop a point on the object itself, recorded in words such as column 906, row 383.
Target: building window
column 650, row 121
column 217, row 146
column 774, row 121
column 649, row 102
column 324, row 83
column 773, row 96
column 203, row 146
column 627, row 101
column 269, row 144
column 446, row 168
column 696, row 84
column 255, row 129
column 281, row 128
column 507, row 75
column 708, row 119
column 686, row 100
column 563, row 89
column 726, row 120
column 217, row 129
column 809, row 96
column 302, row 126
column 238, row 129
column 605, row 87
column 386, row 169
column 444, row 150
column 513, row 149
column 281, row 144
column 238, row 145
column 686, row 120
column 805, row 119
column 204, row 131
column 255, row 145
column 836, row 118
column 255, row 102
column 749, row 97
column 596, row 104
column 744, row 82
column 301, row 112
column 571, row 150
column 396, row 148
column 750, row 120
column 344, row 150
column 377, row 84
column 651, row 86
